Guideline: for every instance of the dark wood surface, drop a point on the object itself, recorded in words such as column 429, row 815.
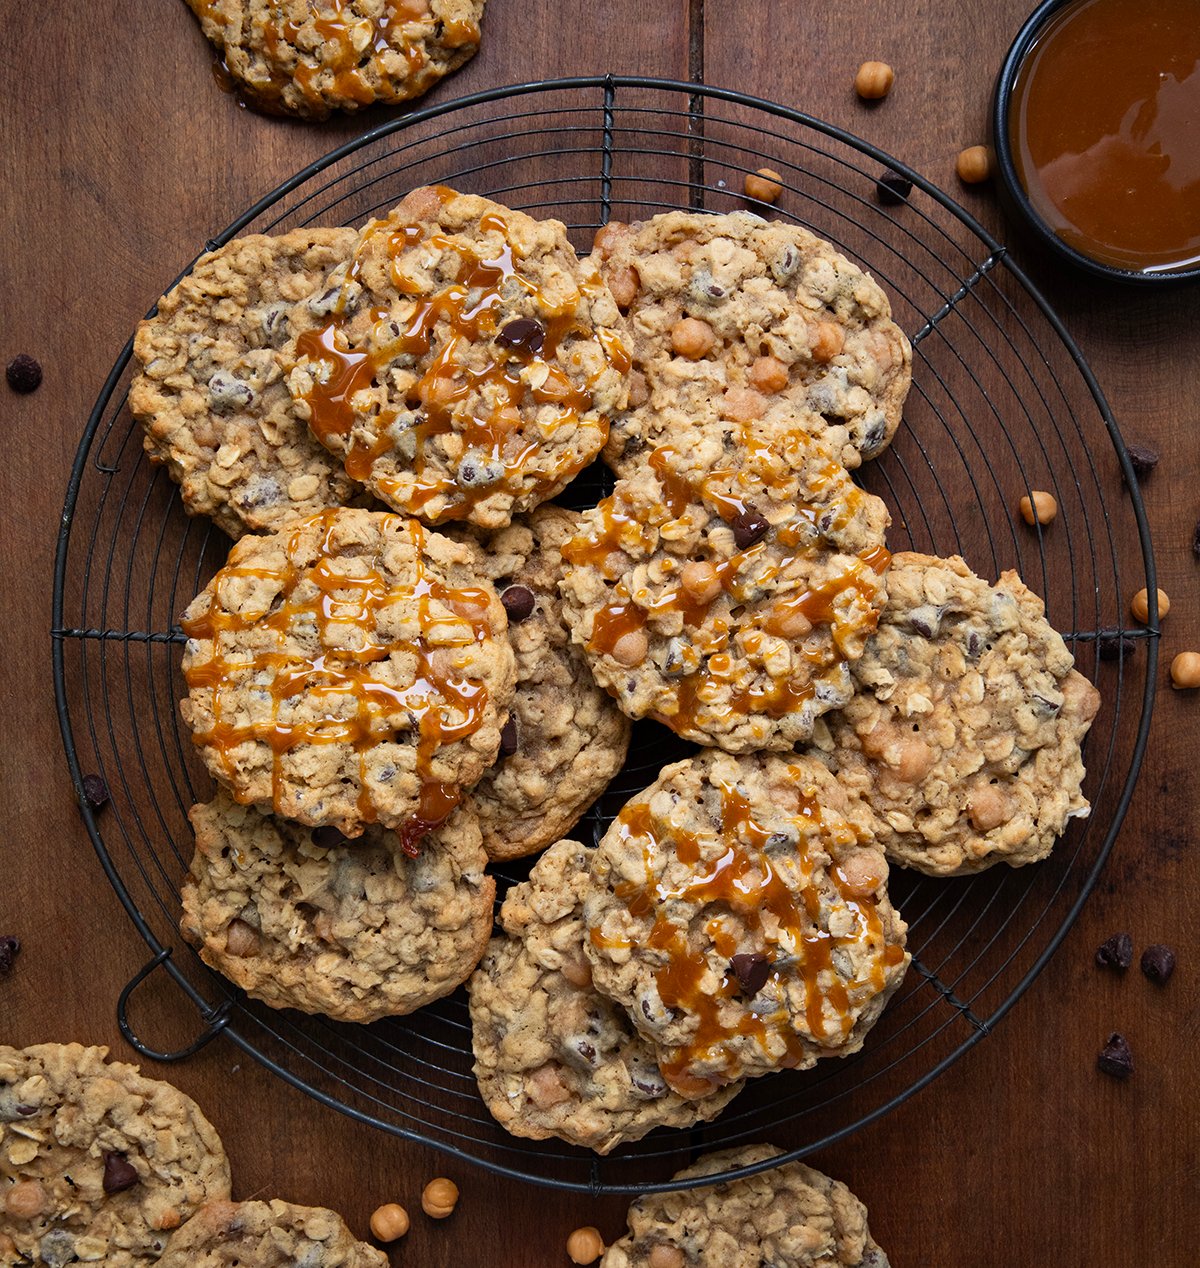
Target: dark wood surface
column 120, row 156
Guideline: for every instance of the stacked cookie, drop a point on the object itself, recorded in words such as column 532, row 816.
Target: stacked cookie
column 392, row 698
column 99, row 1164
column 385, row 706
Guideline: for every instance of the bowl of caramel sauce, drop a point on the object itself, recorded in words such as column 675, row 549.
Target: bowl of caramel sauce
column 1096, row 128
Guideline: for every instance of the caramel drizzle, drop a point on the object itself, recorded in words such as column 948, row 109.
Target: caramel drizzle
column 444, row 707
column 482, row 405
column 744, row 884
column 819, row 605
column 338, row 54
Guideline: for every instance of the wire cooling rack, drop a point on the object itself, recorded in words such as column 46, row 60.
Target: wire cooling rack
column 1002, row 403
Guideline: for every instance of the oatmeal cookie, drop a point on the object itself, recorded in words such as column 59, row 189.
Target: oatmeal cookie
column 210, row 391
column 791, row 1217
column 565, row 738
column 462, row 363
column 268, row 1235
column 964, row 735
column 741, row 917
column 300, row 918
column 310, row 57
column 733, row 310
column 554, row 1057
column 724, row 589
column 98, row 1163
column 350, row 669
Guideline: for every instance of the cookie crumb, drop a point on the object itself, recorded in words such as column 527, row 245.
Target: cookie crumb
column 1116, row 952
column 1115, row 1057
column 1158, row 963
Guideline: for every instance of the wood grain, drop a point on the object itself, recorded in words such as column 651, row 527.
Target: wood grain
column 121, row 158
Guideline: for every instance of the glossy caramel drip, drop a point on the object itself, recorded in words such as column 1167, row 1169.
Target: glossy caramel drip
column 744, row 884
column 445, row 706
column 481, row 403
column 819, row 605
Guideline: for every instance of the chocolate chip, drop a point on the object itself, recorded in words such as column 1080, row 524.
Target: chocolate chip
column 509, row 742
column 1114, row 646
column 327, row 837
column 1158, row 963
column 748, row 527
column 95, row 791
column 1142, row 458
column 1115, row 1057
column 9, row 946
column 751, row 971
column 524, row 334
column 24, row 374
column 1196, row 540
column 892, row 189
column 1116, row 952
column 518, row 603
column 118, row 1174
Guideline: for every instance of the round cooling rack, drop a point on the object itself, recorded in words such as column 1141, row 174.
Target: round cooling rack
column 1002, row 403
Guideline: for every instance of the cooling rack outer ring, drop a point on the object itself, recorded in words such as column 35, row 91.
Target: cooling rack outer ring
column 220, row 1018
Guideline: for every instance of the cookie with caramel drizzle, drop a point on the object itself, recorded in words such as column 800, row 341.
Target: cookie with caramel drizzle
column 725, row 587
column 553, row 1056
column 210, row 391
column 350, row 669
column 740, row 915
column 310, row 57
column 462, row 363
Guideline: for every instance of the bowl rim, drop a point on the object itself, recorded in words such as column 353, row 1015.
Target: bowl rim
column 1002, row 97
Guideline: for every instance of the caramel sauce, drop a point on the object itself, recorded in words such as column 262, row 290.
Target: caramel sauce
column 1104, row 126
column 744, row 883
column 446, row 707
column 627, row 613
column 481, row 404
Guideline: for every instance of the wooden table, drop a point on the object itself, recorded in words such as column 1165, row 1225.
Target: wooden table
column 120, row 156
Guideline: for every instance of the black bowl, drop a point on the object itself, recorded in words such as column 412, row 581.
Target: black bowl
column 1013, row 193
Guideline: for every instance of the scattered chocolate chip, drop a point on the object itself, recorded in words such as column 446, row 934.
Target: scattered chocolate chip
column 95, row 791
column 748, row 527
column 751, row 971
column 327, row 837
column 518, row 603
column 1158, row 963
column 1114, row 646
column 24, row 374
column 508, row 738
column 1142, row 458
column 523, row 334
column 1115, row 1057
column 892, row 189
column 118, row 1174
column 1116, row 952
column 9, row 946
column 1196, row 540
